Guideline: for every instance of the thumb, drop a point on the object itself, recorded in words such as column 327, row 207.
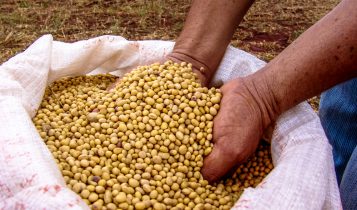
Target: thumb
column 221, row 160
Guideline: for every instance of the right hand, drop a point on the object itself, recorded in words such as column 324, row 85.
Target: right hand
column 243, row 117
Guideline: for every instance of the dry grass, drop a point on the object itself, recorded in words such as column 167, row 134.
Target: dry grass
column 272, row 25
column 23, row 21
column 268, row 28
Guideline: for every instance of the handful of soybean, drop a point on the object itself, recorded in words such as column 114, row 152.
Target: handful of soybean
column 140, row 145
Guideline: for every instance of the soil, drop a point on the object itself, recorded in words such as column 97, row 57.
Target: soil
column 269, row 26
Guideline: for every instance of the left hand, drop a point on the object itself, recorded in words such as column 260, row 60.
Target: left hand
column 198, row 67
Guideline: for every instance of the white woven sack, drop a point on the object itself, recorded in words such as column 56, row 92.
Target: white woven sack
column 303, row 177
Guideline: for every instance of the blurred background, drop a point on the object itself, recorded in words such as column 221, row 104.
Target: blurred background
column 268, row 28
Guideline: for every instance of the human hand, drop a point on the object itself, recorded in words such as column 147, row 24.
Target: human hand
column 201, row 69
column 198, row 67
column 245, row 112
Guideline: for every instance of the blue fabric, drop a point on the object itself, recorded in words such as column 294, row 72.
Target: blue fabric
column 338, row 113
column 348, row 186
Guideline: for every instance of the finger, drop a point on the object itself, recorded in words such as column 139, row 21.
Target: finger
column 230, row 173
column 217, row 84
column 221, row 160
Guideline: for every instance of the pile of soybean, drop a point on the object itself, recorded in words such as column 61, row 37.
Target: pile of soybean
column 140, row 145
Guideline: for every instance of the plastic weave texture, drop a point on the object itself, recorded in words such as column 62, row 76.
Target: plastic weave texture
column 303, row 177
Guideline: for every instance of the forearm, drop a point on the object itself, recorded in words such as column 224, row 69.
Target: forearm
column 323, row 56
column 208, row 29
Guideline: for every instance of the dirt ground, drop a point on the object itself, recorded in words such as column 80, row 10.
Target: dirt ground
column 269, row 27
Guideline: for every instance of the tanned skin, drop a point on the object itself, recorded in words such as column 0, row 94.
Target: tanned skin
column 322, row 57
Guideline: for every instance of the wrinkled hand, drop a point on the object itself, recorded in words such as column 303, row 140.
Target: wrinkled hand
column 201, row 70
column 238, row 127
column 246, row 110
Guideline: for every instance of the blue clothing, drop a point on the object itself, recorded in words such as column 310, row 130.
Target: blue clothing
column 348, row 186
column 338, row 113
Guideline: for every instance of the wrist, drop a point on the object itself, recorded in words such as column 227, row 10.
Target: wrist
column 205, row 57
column 259, row 85
column 201, row 69
column 208, row 54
